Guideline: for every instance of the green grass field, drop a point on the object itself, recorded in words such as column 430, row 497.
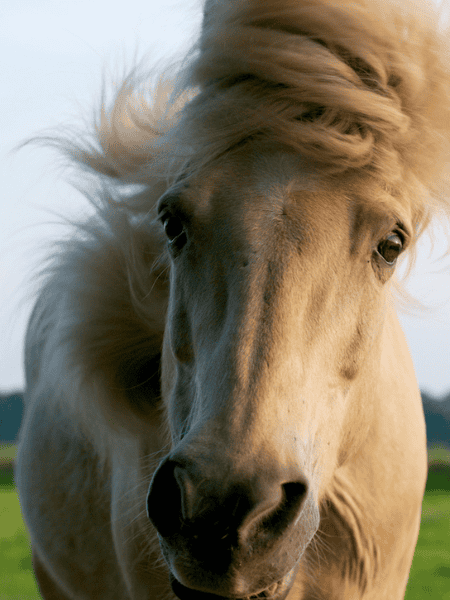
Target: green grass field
column 430, row 573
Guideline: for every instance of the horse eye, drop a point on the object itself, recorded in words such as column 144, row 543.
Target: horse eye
column 390, row 248
column 172, row 226
column 174, row 229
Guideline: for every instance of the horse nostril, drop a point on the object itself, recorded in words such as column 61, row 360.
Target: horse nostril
column 164, row 500
column 173, row 500
column 276, row 519
column 293, row 496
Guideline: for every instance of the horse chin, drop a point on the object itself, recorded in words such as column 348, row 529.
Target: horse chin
column 277, row 591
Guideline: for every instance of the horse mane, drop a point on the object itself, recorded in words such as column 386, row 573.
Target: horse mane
column 361, row 85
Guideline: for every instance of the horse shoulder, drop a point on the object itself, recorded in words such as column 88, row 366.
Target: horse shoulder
column 65, row 502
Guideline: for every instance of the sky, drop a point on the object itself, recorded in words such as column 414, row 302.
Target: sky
column 53, row 56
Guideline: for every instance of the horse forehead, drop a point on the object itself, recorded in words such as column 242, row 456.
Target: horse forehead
column 272, row 173
column 284, row 171
column 247, row 195
column 258, row 179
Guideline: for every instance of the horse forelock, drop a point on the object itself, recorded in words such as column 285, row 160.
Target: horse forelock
column 348, row 84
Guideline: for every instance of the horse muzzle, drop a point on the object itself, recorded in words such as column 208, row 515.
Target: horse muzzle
column 235, row 538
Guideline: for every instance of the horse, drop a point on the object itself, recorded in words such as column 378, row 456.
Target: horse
column 220, row 399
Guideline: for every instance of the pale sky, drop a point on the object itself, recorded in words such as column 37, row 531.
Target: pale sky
column 52, row 57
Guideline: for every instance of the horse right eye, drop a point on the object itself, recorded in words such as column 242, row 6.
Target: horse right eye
column 173, row 227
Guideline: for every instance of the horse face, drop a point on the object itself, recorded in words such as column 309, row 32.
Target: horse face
column 274, row 321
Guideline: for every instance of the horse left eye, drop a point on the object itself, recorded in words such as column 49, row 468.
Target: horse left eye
column 390, row 248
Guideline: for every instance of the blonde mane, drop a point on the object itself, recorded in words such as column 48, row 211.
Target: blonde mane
column 352, row 85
